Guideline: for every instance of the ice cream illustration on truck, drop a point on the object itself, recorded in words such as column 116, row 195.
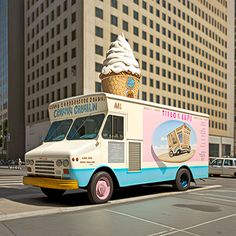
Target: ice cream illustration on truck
column 120, row 73
column 179, row 140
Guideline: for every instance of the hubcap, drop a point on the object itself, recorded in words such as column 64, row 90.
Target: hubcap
column 184, row 180
column 103, row 188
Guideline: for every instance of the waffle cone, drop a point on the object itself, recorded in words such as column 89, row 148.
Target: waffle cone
column 123, row 84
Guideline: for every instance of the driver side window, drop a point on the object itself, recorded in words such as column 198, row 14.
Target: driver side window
column 114, row 128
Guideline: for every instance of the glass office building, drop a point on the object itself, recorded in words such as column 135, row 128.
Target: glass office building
column 3, row 74
column 12, row 79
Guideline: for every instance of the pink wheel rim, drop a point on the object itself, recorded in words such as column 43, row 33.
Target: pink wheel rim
column 103, row 188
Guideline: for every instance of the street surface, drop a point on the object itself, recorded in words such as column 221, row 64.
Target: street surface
column 209, row 209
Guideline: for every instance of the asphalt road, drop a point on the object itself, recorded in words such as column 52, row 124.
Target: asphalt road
column 209, row 209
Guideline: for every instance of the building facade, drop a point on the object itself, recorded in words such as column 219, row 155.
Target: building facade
column 3, row 76
column 12, row 130
column 182, row 47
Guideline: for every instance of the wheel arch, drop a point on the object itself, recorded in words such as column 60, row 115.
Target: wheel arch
column 110, row 172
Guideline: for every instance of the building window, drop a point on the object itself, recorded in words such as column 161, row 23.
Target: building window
column 135, row 47
column 98, row 87
column 73, row 35
column 114, row 3
column 135, row 15
column 144, row 80
column 151, row 97
column 114, row 20
column 213, row 150
column 73, row 89
column 125, row 25
column 144, row 96
column 144, row 65
column 113, row 37
column 99, row 13
column 65, row 92
column 99, row 50
column 144, row 20
column 125, row 9
column 226, row 150
column 73, row 53
column 135, row 29
column 99, row 32
column 73, row 17
column 98, row 67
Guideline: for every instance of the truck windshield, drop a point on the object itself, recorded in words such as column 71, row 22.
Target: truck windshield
column 58, row 130
column 86, row 127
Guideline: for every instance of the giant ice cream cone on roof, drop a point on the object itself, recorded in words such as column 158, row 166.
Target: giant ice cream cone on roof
column 120, row 73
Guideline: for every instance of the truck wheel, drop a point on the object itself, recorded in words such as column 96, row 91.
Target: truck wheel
column 100, row 188
column 189, row 149
column 52, row 193
column 182, row 181
column 171, row 154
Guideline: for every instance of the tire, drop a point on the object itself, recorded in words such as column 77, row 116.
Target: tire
column 171, row 154
column 215, row 175
column 189, row 149
column 182, row 181
column 52, row 193
column 100, row 188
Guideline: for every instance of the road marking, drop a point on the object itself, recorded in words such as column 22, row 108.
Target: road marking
column 159, row 233
column 11, row 184
column 205, row 223
column 150, row 222
column 216, row 195
column 224, row 191
column 219, row 199
column 50, row 211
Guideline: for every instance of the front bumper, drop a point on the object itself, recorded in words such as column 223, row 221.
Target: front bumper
column 63, row 184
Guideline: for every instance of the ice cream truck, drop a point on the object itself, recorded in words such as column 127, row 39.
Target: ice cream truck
column 101, row 141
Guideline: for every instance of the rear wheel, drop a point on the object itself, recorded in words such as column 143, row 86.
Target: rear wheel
column 171, row 154
column 182, row 181
column 189, row 149
column 100, row 188
column 52, row 193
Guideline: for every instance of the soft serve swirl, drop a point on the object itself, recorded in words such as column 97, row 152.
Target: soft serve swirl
column 120, row 58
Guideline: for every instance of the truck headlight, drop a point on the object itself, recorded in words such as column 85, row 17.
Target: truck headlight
column 65, row 163
column 31, row 162
column 27, row 162
column 59, row 163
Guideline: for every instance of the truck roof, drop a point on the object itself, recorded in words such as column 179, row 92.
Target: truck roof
column 129, row 100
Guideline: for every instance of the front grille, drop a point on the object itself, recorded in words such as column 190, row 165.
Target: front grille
column 44, row 167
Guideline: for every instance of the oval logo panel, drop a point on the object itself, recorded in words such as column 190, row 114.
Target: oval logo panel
column 174, row 141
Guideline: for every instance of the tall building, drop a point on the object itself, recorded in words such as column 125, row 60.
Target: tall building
column 182, row 47
column 12, row 131
column 234, row 65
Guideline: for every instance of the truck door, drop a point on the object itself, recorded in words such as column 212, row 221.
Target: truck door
column 114, row 138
